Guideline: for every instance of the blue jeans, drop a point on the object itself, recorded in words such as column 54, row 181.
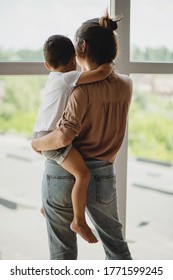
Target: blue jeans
column 101, row 208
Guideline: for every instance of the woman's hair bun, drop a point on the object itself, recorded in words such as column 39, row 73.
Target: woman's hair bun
column 108, row 23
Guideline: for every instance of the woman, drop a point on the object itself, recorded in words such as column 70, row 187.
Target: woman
column 95, row 120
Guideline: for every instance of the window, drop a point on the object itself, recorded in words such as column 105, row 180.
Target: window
column 150, row 30
column 20, row 97
column 150, row 169
column 149, row 193
column 150, row 119
column 26, row 25
column 148, row 61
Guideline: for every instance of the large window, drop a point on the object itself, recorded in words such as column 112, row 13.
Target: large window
column 146, row 52
column 25, row 25
column 150, row 167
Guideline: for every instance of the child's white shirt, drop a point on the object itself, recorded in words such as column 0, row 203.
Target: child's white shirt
column 56, row 94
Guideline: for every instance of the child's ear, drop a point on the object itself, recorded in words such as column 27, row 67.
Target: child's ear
column 47, row 66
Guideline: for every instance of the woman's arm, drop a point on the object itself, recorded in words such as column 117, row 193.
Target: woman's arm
column 95, row 75
column 52, row 141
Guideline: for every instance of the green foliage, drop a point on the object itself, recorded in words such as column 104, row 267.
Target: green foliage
column 20, row 103
column 21, row 55
column 151, row 128
column 151, row 54
column 23, row 92
column 20, row 123
column 7, row 110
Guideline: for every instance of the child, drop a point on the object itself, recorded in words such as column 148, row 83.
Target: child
column 60, row 60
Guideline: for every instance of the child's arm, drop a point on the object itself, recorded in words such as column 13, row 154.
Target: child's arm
column 95, row 75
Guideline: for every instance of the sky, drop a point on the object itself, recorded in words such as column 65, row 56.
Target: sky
column 151, row 23
column 28, row 23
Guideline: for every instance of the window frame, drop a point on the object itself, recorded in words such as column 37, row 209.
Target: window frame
column 22, row 68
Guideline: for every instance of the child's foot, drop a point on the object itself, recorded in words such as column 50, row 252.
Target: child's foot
column 84, row 231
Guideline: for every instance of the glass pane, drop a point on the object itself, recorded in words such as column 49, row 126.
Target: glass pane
column 27, row 24
column 150, row 168
column 151, row 118
column 20, row 97
column 20, row 224
column 22, row 227
column 151, row 30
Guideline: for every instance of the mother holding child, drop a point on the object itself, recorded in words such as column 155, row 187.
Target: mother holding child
column 80, row 129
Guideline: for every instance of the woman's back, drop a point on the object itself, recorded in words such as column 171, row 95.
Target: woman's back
column 100, row 111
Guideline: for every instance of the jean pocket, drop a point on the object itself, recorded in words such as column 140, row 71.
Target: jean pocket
column 59, row 190
column 105, row 188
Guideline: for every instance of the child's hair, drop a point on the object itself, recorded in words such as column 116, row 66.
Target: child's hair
column 58, row 50
column 102, row 45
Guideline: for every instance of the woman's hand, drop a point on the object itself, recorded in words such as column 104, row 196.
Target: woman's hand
column 51, row 141
column 34, row 146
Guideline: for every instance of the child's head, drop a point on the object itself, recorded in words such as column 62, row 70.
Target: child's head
column 58, row 51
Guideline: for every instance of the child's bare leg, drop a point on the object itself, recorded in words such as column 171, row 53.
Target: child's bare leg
column 75, row 164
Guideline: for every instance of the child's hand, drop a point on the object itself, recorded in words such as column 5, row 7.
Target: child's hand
column 107, row 68
column 83, row 69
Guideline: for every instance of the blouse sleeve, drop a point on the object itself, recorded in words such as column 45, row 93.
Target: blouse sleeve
column 71, row 120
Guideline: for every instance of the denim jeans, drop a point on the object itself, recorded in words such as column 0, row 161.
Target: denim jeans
column 101, row 208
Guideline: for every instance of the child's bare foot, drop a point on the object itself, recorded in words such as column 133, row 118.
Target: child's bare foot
column 84, row 231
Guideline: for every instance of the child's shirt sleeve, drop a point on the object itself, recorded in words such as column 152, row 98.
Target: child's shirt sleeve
column 71, row 78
